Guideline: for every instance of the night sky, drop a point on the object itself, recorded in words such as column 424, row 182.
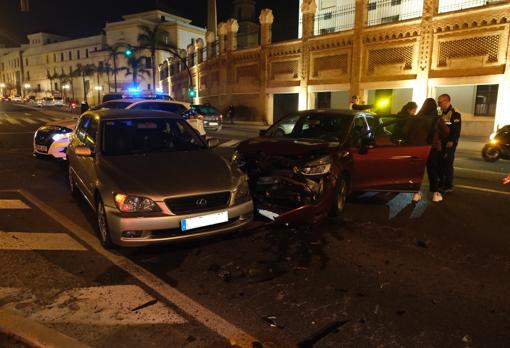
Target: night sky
column 68, row 18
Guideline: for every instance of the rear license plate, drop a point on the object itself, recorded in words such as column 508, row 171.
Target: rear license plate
column 203, row 221
column 41, row 148
column 213, row 123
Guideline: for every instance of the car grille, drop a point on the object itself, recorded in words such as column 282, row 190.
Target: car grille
column 199, row 203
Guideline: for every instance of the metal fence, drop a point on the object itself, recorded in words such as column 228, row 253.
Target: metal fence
column 456, row 5
column 336, row 19
column 389, row 11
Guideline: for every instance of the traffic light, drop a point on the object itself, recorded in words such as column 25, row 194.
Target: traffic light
column 191, row 92
column 128, row 52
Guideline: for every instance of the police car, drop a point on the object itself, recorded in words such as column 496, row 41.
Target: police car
column 52, row 139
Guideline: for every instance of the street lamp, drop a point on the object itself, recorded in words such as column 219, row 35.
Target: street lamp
column 27, row 85
column 65, row 88
column 2, row 86
column 98, row 89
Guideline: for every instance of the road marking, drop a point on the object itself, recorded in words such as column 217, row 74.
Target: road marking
column 474, row 188
column 27, row 114
column 44, row 120
column 479, row 171
column 230, row 143
column 38, row 241
column 10, row 119
column 29, row 120
column 105, row 305
column 13, row 133
column 211, row 320
column 13, row 204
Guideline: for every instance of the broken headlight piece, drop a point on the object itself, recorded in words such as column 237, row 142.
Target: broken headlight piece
column 319, row 166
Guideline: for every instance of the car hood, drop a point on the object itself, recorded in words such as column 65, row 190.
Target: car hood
column 71, row 123
column 164, row 175
column 285, row 147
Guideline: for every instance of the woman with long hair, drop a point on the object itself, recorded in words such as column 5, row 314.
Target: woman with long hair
column 409, row 109
column 439, row 132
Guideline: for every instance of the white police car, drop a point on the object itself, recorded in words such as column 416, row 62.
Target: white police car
column 52, row 139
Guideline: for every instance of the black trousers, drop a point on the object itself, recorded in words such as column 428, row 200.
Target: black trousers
column 433, row 165
column 446, row 167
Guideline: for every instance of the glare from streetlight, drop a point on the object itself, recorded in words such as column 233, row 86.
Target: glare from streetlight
column 27, row 85
column 2, row 85
column 98, row 88
column 66, row 87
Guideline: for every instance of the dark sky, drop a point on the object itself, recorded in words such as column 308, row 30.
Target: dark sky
column 87, row 17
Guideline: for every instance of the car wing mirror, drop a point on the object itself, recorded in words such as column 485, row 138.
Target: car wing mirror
column 262, row 132
column 83, row 151
column 213, row 142
column 367, row 143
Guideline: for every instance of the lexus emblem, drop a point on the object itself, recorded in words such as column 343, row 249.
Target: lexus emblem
column 202, row 202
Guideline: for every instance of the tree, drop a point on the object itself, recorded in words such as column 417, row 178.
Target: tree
column 51, row 77
column 84, row 71
column 154, row 39
column 114, row 51
column 136, row 68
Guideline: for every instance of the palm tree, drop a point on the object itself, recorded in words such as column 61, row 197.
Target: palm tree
column 108, row 70
column 84, row 71
column 154, row 39
column 114, row 51
column 51, row 77
column 136, row 68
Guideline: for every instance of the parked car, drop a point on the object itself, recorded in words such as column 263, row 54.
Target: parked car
column 143, row 174
column 213, row 119
column 17, row 99
column 58, row 101
column 6, row 99
column 52, row 139
column 304, row 166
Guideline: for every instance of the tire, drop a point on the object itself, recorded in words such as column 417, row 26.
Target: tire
column 102, row 226
column 491, row 153
column 340, row 197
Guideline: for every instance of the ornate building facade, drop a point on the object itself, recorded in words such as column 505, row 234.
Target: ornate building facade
column 463, row 52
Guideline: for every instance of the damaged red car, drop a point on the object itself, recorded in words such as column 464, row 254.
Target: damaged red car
column 304, row 166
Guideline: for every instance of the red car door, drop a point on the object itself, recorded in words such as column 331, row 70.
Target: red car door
column 392, row 156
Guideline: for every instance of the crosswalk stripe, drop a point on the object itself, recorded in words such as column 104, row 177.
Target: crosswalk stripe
column 10, row 119
column 13, row 204
column 38, row 241
column 44, row 120
column 105, row 305
column 29, row 120
column 230, row 143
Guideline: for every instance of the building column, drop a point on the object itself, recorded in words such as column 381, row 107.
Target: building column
column 210, row 37
column 232, row 29
column 222, row 37
column 308, row 9
column 266, row 19
column 357, row 49
column 199, row 50
column 421, row 87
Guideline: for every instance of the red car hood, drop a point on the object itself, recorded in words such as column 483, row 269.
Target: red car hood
column 285, row 147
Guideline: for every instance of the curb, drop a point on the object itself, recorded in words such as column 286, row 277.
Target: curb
column 34, row 334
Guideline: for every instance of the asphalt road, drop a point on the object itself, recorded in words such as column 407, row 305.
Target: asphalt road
column 390, row 273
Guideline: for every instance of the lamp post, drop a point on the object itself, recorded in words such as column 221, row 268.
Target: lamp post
column 65, row 88
column 2, row 87
column 98, row 89
column 27, row 87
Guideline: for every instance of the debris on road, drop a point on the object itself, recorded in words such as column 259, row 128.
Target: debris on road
column 145, row 305
column 325, row 331
column 271, row 320
column 467, row 339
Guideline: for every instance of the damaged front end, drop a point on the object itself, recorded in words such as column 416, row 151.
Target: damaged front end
column 290, row 189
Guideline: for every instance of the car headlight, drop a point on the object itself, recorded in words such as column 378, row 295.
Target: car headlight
column 135, row 204
column 320, row 166
column 60, row 136
column 242, row 192
column 238, row 160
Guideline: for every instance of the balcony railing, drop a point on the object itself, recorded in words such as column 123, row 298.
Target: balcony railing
column 456, row 5
column 339, row 19
column 389, row 11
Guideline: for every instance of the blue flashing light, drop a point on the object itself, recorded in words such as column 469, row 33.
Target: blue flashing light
column 159, row 90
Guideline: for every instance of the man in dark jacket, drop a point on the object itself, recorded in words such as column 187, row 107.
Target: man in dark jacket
column 454, row 122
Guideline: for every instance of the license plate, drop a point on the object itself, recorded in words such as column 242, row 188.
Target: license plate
column 213, row 123
column 41, row 148
column 203, row 221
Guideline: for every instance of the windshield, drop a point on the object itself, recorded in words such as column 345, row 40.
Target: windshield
column 206, row 110
column 324, row 126
column 112, row 105
column 136, row 136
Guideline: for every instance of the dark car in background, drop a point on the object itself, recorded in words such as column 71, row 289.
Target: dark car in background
column 213, row 119
column 305, row 165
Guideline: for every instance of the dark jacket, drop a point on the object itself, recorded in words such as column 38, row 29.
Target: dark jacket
column 440, row 134
column 430, row 130
column 454, row 122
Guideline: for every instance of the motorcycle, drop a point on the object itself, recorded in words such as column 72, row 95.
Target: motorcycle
column 499, row 145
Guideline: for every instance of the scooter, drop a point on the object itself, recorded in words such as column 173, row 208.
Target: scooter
column 498, row 146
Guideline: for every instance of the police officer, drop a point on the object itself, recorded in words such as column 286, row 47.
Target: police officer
column 454, row 122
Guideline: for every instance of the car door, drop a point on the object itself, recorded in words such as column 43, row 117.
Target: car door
column 84, row 167
column 391, row 156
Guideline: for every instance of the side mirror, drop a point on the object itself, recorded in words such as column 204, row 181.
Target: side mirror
column 366, row 143
column 83, row 151
column 213, row 142
column 262, row 132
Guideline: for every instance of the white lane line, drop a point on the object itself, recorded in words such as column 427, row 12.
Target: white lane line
column 13, row 204
column 481, row 189
column 38, row 241
column 29, row 120
column 10, row 119
column 105, row 305
column 230, row 143
column 479, row 171
column 206, row 317
column 44, row 120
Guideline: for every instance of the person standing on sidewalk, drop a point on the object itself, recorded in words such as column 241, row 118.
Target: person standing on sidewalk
column 231, row 112
column 436, row 135
column 454, row 122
